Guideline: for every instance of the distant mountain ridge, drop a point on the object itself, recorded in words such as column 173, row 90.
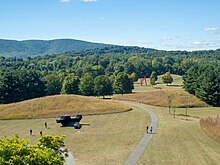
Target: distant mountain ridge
column 25, row 48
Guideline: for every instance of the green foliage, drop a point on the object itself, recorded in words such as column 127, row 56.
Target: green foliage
column 53, row 142
column 20, row 151
column 167, row 78
column 204, row 82
column 153, row 78
column 53, row 83
column 86, row 85
column 11, row 48
column 123, row 84
column 20, row 85
column 102, row 86
column 190, row 78
column 133, row 77
column 22, row 79
column 70, row 85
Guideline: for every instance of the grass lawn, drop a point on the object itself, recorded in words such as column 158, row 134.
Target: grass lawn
column 111, row 138
column 180, row 140
column 108, row 140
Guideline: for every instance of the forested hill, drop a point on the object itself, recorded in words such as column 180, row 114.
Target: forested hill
column 114, row 69
column 30, row 48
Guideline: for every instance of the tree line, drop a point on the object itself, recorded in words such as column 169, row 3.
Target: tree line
column 203, row 81
column 26, row 84
column 85, row 72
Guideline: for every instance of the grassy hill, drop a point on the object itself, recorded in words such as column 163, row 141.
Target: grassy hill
column 55, row 106
column 13, row 48
column 157, row 95
column 111, row 138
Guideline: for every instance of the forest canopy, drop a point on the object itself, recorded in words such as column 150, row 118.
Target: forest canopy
column 87, row 72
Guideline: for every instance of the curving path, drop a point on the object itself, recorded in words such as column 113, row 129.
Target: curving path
column 69, row 160
column 141, row 146
column 143, row 143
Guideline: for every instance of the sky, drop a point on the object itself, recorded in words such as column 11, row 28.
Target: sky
column 160, row 24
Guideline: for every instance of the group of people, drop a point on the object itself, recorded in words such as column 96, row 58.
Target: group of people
column 149, row 130
column 41, row 132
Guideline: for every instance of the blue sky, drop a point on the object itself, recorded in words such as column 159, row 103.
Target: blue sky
column 160, row 24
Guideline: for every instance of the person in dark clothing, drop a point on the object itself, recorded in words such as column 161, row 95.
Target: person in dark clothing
column 41, row 133
column 31, row 132
column 151, row 129
column 45, row 124
column 147, row 129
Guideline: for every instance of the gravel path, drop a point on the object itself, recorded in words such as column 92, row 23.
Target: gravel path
column 143, row 143
column 69, row 159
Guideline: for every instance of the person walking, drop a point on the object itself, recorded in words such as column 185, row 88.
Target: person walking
column 41, row 133
column 31, row 132
column 151, row 129
column 147, row 129
column 45, row 124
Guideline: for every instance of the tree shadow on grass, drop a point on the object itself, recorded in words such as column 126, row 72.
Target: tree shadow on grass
column 186, row 119
column 187, row 116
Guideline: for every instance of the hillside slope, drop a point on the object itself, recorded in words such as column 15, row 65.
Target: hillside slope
column 13, row 48
column 55, row 106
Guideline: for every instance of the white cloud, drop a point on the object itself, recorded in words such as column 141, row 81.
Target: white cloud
column 202, row 43
column 166, row 38
column 64, row 1
column 212, row 30
column 89, row 0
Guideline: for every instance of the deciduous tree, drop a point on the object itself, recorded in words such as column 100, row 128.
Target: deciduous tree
column 102, row 86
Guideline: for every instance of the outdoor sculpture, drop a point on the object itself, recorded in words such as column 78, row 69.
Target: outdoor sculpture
column 66, row 121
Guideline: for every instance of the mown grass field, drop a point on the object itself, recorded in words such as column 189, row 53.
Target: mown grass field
column 181, row 140
column 108, row 140
column 178, row 140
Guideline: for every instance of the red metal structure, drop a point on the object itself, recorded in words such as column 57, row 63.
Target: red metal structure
column 143, row 80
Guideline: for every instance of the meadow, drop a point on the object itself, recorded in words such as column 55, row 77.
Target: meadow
column 211, row 126
column 110, row 138
column 179, row 138
column 157, row 95
column 55, row 106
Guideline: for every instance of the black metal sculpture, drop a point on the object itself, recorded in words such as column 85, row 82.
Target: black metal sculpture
column 66, row 121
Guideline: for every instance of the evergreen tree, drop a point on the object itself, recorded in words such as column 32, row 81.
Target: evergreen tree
column 209, row 86
column 190, row 79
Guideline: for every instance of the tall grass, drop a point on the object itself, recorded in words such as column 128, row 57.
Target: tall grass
column 211, row 126
column 55, row 106
column 158, row 97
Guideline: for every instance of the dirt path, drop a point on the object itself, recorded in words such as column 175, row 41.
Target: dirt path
column 143, row 143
